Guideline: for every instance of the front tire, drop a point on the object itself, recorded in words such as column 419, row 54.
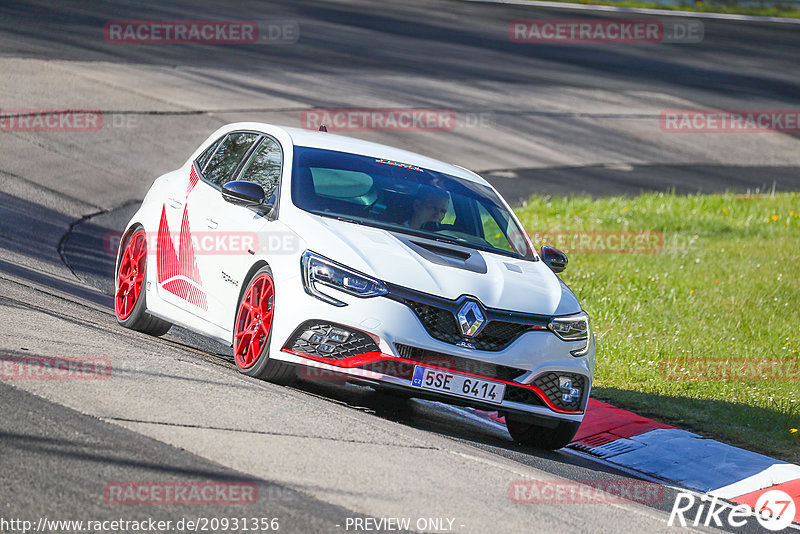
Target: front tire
column 252, row 331
column 130, row 303
column 542, row 437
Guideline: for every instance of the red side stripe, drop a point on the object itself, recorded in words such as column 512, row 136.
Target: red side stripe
column 170, row 266
column 165, row 251
column 193, row 178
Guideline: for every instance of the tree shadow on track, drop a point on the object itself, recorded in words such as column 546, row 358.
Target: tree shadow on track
column 414, row 40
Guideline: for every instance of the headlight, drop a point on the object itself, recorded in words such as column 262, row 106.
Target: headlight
column 573, row 328
column 318, row 270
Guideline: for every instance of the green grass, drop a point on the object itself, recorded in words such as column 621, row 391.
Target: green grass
column 725, row 285
column 700, row 7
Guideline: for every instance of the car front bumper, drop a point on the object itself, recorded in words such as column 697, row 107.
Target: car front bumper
column 533, row 366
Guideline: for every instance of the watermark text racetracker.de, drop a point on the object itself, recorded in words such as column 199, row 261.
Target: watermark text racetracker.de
column 216, row 243
column 190, row 493
column 601, row 241
column 208, row 32
column 54, row 368
column 64, row 120
column 316, row 371
column 379, row 119
column 730, row 121
column 590, row 31
column 584, row 492
column 721, row 369
column 393, row 119
column 50, row 120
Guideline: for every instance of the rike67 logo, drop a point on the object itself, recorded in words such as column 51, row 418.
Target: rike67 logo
column 774, row 510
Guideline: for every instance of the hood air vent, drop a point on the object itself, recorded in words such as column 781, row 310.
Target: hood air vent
column 441, row 254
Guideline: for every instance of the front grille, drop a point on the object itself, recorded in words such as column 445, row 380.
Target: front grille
column 458, row 363
column 441, row 324
column 324, row 340
column 496, row 335
column 550, row 384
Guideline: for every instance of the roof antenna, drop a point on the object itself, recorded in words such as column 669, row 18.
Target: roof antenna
column 323, row 128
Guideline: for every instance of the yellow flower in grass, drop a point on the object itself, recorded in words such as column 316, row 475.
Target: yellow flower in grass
column 776, row 217
column 792, row 214
column 793, row 430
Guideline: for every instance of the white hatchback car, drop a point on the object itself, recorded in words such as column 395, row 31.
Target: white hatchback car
column 322, row 255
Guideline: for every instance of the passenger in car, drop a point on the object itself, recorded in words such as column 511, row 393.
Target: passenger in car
column 428, row 209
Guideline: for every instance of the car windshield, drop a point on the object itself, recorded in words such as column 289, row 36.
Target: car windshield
column 405, row 198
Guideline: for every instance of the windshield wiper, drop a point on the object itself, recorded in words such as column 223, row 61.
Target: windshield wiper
column 345, row 219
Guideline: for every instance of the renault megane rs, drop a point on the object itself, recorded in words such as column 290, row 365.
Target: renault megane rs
column 309, row 250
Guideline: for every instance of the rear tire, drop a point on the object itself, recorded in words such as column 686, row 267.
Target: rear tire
column 130, row 301
column 252, row 332
column 540, row 436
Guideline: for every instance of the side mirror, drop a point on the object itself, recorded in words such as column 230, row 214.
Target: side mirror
column 243, row 193
column 554, row 258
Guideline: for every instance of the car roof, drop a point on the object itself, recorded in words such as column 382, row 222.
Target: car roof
column 342, row 143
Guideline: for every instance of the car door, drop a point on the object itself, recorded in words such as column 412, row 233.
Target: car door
column 240, row 231
column 182, row 277
column 232, row 232
column 175, row 283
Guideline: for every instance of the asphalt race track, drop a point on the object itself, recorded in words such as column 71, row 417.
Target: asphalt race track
column 562, row 119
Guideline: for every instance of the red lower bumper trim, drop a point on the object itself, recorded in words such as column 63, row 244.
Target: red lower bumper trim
column 372, row 357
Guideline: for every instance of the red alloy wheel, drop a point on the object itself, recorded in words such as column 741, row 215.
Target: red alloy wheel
column 131, row 275
column 254, row 321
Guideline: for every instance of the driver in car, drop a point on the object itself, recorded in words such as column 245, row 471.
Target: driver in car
column 428, row 209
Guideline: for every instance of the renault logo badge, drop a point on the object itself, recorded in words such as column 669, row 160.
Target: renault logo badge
column 470, row 318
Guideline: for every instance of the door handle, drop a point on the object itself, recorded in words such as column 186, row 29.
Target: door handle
column 174, row 203
column 211, row 223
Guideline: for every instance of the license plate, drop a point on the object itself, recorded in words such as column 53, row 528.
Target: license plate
column 456, row 384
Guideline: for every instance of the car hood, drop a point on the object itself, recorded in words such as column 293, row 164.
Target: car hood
column 507, row 283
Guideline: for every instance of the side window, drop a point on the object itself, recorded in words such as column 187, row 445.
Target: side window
column 492, row 231
column 206, row 155
column 264, row 167
column 223, row 163
column 500, row 231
